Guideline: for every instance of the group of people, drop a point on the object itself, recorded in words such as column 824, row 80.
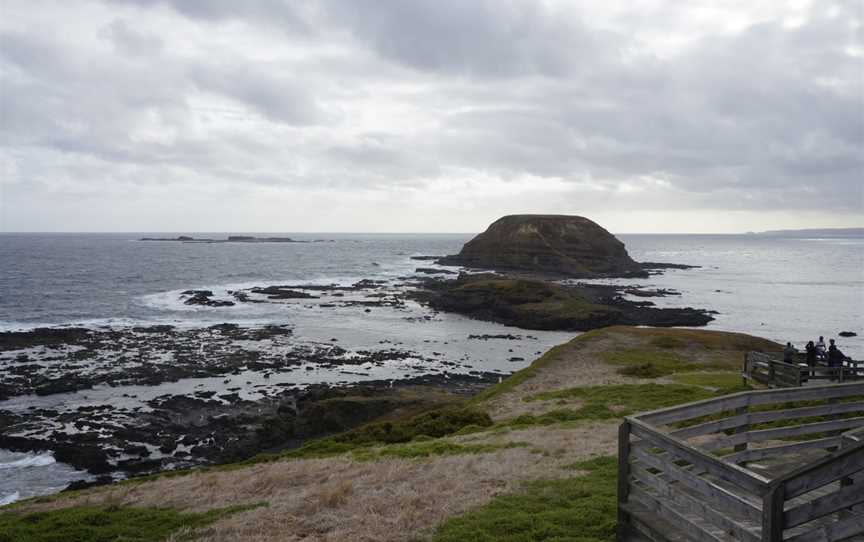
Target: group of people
column 817, row 352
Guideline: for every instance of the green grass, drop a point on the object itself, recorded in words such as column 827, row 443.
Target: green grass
column 434, row 424
column 666, row 341
column 605, row 402
column 723, row 382
column 577, row 509
column 709, row 340
column 431, row 448
column 644, row 370
column 105, row 523
column 661, row 362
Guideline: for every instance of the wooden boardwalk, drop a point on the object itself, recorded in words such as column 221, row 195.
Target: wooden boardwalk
column 763, row 466
column 770, row 370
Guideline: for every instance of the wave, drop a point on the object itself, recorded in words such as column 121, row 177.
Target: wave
column 9, row 499
column 40, row 460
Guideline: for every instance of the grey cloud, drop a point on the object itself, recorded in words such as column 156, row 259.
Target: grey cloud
column 279, row 98
column 131, row 41
column 289, row 15
column 391, row 95
column 486, row 37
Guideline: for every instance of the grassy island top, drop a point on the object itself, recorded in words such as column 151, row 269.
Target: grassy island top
column 528, row 459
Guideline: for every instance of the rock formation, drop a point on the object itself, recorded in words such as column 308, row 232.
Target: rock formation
column 559, row 244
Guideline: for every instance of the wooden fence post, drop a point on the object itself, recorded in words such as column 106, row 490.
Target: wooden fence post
column 772, row 514
column 623, row 528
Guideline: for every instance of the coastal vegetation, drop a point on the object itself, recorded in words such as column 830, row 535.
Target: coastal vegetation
column 106, row 523
column 527, row 459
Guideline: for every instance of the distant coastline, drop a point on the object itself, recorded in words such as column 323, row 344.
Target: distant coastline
column 831, row 233
column 231, row 239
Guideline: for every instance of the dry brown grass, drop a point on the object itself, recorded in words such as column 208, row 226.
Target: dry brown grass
column 338, row 499
column 577, row 363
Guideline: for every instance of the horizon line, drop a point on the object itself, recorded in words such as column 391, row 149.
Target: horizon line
column 209, row 232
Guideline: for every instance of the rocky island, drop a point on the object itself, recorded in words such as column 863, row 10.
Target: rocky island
column 560, row 244
column 531, row 252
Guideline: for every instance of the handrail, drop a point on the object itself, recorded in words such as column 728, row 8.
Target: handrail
column 772, row 371
column 655, row 440
column 662, row 416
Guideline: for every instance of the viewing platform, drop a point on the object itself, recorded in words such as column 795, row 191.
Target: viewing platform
column 770, row 370
column 761, row 466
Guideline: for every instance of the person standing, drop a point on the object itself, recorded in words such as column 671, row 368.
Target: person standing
column 820, row 348
column 811, row 356
column 835, row 356
column 789, row 353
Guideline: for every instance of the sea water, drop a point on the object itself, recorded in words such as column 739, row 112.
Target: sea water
column 785, row 289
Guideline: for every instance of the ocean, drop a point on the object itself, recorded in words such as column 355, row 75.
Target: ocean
column 785, row 289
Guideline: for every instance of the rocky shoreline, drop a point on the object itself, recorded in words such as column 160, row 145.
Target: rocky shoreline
column 205, row 428
column 234, row 394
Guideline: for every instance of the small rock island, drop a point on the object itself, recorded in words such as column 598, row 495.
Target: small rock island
column 559, row 244
column 530, row 254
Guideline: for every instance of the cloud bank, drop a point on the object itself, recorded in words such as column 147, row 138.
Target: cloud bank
column 432, row 115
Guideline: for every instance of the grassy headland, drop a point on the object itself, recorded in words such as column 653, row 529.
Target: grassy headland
column 528, row 459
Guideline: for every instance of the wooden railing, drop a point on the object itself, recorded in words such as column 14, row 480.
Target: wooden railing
column 770, row 370
column 771, row 466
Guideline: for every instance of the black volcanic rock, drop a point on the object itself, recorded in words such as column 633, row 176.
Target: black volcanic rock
column 559, row 244
column 535, row 304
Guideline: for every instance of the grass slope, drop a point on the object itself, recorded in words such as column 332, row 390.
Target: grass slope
column 579, row 508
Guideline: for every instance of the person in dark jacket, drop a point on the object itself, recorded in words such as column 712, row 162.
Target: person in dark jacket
column 835, row 356
column 811, row 355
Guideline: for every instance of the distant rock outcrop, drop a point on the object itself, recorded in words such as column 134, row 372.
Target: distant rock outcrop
column 559, row 244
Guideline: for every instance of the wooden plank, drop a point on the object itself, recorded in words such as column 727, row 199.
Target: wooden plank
column 655, row 531
column 713, row 426
column 719, row 497
column 845, row 497
column 742, row 411
column 694, row 531
column 832, row 532
column 694, row 410
column 804, row 429
column 810, row 393
column 805, row 412
column 782, row 432
column 731, row 402
column 844, row 463
column 755, row 454
column 751, row 481
column 693, row 506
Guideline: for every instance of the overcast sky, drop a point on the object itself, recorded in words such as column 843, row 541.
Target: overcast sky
column 430, row 115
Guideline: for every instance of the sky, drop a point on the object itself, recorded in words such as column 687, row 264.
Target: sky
column 430, row 115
